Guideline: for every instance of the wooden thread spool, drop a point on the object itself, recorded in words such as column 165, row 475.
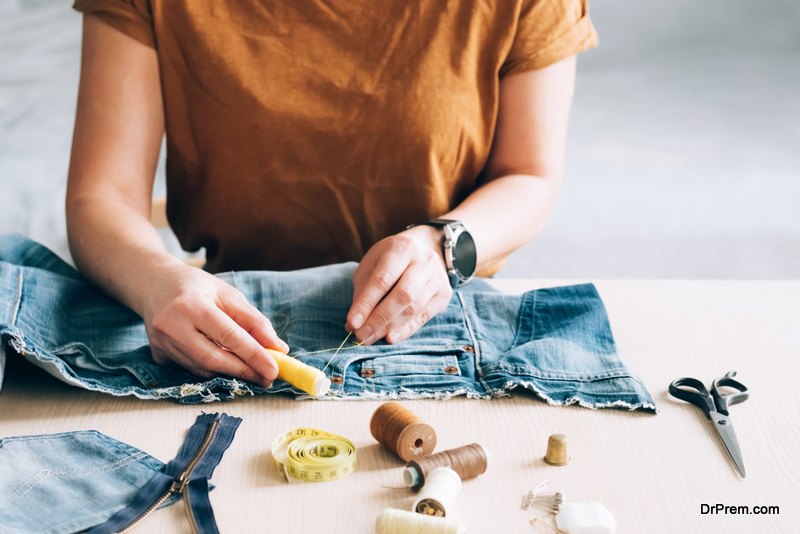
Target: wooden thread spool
column 402, row 431
column 393, row 521
column 468, row 461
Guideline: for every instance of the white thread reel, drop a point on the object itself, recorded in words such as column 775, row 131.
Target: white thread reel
column 439, row 492
column 403, row 522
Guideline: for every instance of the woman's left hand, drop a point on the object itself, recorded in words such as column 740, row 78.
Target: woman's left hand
column 400, row 284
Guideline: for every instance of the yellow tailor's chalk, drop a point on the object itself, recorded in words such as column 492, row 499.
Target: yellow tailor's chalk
column 302, row 376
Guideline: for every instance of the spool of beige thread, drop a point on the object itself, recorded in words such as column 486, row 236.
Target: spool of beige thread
column 402, row 431
column 468, row 461
column 393, row 521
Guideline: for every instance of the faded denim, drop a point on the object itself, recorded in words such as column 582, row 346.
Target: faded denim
column 556, row 342
column 198, row 458
column 63, row 483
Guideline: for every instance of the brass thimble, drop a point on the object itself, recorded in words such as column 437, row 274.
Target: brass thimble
column 557, row 450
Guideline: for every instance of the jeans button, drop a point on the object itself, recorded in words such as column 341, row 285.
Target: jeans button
column 468, row 348
column 366, row 373
column 337, row 380
column 450, row 370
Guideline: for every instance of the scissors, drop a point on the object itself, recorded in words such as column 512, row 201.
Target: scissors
column 715, row 405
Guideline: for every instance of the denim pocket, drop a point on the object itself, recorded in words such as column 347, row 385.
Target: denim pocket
column 563, row 333
column 412, row 364
column 412, row 370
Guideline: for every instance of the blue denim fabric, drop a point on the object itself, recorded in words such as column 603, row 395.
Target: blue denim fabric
column 64, row 483
column 556, row 342
column 197, row 485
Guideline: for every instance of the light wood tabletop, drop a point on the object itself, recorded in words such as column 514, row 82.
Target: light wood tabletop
column 652, row 471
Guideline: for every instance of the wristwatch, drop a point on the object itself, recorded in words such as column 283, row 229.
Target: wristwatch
column 458, row 249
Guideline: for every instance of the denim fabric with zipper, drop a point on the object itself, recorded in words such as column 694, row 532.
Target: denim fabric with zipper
column 86, row 479
column 79, row 478
column 185, row 476
column 556, row 342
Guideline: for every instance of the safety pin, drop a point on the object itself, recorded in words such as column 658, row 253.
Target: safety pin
column 527, row 499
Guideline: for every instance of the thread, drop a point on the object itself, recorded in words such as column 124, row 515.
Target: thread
column 337, row 351
column 402, row 431
column 297, row 373
column 393, row 521
column 468, row 461
column 302, row 376
column 438, row 493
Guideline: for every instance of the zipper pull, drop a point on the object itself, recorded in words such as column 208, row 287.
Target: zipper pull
column 179, row 483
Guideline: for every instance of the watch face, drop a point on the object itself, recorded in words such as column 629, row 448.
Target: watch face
column 465, row 256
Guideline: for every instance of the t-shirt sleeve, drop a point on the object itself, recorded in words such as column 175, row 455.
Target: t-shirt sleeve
column 132, row 17
column 547, row 32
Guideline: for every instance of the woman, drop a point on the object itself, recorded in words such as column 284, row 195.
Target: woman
column 306, row 133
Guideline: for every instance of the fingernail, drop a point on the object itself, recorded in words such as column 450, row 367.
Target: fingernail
column 366, row 335
column 356, row 321
column 391, row 337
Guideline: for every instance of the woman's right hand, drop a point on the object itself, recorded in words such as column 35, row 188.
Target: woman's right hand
column 198, row 322
column 189, row 314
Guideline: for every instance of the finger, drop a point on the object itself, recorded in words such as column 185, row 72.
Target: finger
column 412, row 315
column 405, row 293
column 409, row 328
column 253, row 322
column 175, row 357
column 223, row 330
column 202, row 357
column 380, row 281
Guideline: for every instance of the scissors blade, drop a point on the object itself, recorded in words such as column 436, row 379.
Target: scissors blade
column 724, row 427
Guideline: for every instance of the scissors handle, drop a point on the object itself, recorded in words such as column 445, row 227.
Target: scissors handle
column 723, row 401
column 701, row 398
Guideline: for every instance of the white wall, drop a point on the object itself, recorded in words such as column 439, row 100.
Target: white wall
column 684, row 146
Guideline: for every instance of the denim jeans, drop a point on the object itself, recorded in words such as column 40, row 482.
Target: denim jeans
column 555, row 342
column 62, row 483
column 187, row 475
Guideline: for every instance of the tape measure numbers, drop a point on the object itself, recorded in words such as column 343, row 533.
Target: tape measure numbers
column 313, row 455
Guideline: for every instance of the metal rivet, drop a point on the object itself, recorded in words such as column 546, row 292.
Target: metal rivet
column 451, row 370
column 367, row 372
column 722, row 422
column 468, row 348
column 337, row 379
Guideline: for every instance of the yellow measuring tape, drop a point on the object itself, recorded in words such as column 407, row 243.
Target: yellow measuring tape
column 313, row 455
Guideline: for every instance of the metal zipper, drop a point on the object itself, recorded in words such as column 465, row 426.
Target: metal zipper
column 180, row 485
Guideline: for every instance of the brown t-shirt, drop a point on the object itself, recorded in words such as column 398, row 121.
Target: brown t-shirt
column 301, row 132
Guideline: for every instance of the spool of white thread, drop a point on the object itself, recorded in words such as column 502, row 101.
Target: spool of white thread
column 401, row 522
column 439, row 492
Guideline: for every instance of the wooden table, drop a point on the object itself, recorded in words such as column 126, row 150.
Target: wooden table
column 652, row 471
